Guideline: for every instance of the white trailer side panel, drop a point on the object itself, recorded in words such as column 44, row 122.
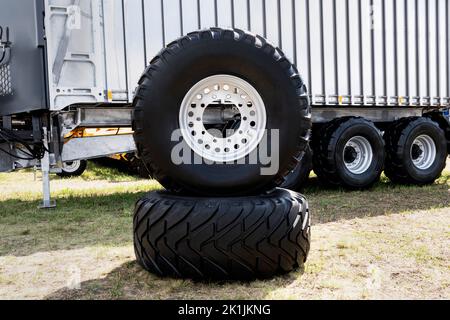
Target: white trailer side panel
column 350, row 52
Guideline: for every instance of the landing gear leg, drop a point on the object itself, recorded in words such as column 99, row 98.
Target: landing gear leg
column 47, row 202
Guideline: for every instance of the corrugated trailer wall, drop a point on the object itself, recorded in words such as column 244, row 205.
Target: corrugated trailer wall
column 358, row 52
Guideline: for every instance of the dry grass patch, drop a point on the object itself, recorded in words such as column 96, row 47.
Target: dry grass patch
column 390, row 242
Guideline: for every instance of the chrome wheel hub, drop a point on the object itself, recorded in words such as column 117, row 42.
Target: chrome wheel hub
column 358, row 155
column 423, row 152
column 223, row 118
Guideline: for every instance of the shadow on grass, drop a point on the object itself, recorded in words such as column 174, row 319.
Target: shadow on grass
column 106, row 220
column 333, row 204
column 77, row 222
column 130, row 281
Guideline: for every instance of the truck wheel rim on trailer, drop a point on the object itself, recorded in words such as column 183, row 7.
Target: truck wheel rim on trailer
column 423, row 152
column 71, row 166
column 223, row 98
column 358, row 155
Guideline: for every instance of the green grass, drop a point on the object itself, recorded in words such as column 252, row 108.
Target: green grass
column 94, row 215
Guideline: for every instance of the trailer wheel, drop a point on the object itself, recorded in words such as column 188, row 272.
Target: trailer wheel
column 222, row 238
column 297, row 179
column 416, row 151
column 212, row 105
column 73, row 169
column 349, row 152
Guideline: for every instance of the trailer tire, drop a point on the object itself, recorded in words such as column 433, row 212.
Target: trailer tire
column 416, row 151
column 169, row 99
column 222, row 238
column 298, row 178
column 73, row 169
column 349, row 152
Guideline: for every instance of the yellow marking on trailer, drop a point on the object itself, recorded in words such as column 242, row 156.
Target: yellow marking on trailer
column 96, row 132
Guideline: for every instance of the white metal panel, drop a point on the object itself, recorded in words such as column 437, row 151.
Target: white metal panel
column 208, row 14
column 432, row 50
column 154, row 31
column 359, row 73
column 76, row 61
column 257, row 17
column 317, row 55
column 172, row 20
column 342, row 51
column 366, row 42
column 272, row 21
column 400, row 46
column 443, row 47
column 134, row 44
column 225, row 15
column 302, row 25
column 384, row 52
column 287, row 29
column 390, row 53
column 241, row 14
column 115, row 49
column 329, row 47
column 413, row 82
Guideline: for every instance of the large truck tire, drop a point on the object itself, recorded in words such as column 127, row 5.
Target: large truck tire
column 222, row 238
column 298, row 178
column 224, row 92
column 416, row 151
column 349, row 152
column 73, row 169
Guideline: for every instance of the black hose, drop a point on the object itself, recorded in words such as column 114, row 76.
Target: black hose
column 33, row 150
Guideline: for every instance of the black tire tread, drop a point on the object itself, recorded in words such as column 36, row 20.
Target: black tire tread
column 323, row 160
column 175, row 48
column 222, row 238
column 395, row 138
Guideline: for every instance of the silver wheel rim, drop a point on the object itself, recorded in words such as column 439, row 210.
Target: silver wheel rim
column 423, row 152
column 223, row 98
column 358, row 155
column 72, row 166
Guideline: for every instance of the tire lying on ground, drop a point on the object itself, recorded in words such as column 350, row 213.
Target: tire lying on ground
column 215, row 96
column 349, row 152
column 297, row 179
column 416, row 151
column 73, row 169
column 222, row 238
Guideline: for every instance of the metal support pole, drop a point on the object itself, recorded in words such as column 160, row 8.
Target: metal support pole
column 47, row 203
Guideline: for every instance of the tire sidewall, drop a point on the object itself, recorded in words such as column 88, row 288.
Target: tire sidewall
column 431, row 174
column 75, row 173
column 202, row 60
column 373, row 173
